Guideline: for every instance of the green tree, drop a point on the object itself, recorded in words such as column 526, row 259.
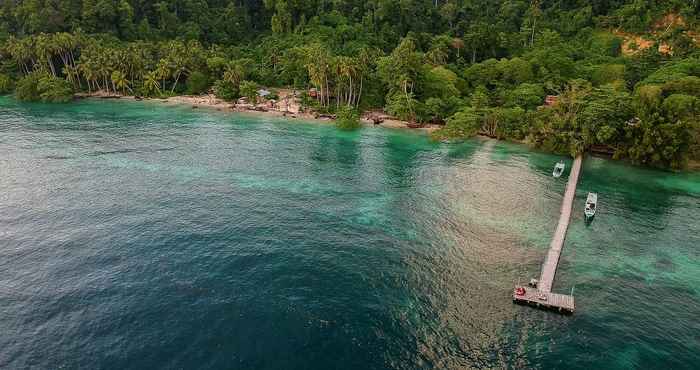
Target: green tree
column 608, row 73
column 347, row 118
column 197, row 83
column 319, row 66
column 236, row 71
column 163, row 71
column 5, row 84
column 404, row 106
column 28, row 87
column 480, row 98
column 679, row 107
column 151, row 86
column 42, row 86
column 119, row 82
column 463, row 124
column 225, row 90
column 515, row 71
column 249, row 89
column 526, row 95
column 439, row 82
column 400, row 71
column 54, row 89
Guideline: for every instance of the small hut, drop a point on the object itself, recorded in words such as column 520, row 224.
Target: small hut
column 551, row 100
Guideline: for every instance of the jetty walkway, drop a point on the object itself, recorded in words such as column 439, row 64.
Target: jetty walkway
column 540, row 293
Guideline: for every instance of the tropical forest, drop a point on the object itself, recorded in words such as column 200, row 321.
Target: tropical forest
column 564, row 76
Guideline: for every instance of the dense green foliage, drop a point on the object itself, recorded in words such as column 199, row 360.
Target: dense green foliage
column 197, row 83
column 5, row 84
column 479, row 66
column 225, row 90
column 54, row 89
column 28, row 88
column 249, row 90
column 41, row 86
column 347, row 118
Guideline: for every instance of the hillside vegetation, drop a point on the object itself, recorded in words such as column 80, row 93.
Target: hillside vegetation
column 626, row 73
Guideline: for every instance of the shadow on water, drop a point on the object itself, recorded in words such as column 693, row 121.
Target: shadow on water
column 338, row 146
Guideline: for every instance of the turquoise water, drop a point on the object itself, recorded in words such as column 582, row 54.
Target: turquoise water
column 134, row 235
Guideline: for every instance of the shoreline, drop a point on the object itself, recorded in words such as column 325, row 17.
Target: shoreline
column 212, row 102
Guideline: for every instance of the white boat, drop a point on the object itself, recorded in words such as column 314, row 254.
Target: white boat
column 591, row 205
column 559, row 169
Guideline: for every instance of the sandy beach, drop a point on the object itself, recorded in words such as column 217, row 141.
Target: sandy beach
column 210, row 101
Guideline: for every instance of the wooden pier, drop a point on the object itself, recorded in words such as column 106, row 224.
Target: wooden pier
column 563, row 303
column 540, row 294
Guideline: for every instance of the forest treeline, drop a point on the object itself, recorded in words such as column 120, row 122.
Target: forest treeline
column 626, row 73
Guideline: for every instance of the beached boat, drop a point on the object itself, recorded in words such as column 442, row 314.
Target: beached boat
column 591, row 205
column 559, row 169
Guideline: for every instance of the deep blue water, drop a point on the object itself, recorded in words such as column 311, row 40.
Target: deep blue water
column 134, row 235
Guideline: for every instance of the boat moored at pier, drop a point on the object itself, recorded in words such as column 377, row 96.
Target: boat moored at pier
column 591, row 206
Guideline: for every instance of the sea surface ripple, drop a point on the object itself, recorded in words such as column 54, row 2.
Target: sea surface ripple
column 134, row 235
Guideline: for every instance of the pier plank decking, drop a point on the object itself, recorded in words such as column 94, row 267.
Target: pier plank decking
column 562, row 302
column 542, row 295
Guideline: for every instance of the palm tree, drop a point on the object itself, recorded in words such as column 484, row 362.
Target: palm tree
column 179, row 66
column 45, row 49
column 364, row 60
column 72, row 75
column 136, row 60
column 120, row 82
column 62, row 45
column 346, row 69
column 162, row 70
column 535, row 12
column 89, row 74
column 150, row 83
column 437, row 56
column 178, row 58
column 104, row 71
column 21, row 52
column 318, row 65
column 234, row 74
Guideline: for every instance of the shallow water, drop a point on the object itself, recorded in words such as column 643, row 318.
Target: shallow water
column 134, row 235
